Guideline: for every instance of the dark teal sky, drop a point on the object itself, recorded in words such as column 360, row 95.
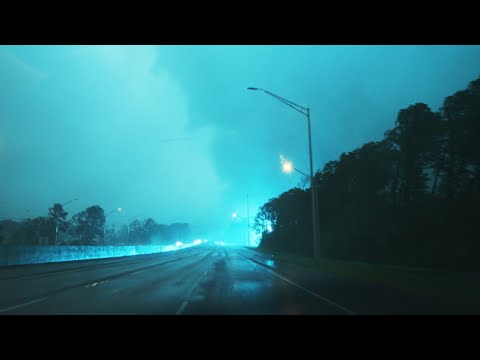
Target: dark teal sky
column 171, row 132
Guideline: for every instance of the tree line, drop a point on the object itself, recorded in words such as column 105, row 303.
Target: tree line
column 412, row 198
column 88, row 227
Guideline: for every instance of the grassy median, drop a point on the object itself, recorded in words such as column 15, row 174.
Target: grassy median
column 455, row 287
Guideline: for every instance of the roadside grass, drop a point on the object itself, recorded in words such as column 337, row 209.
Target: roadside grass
column 455, row 287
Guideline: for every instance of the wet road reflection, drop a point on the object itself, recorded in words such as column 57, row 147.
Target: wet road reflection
column 207, row 280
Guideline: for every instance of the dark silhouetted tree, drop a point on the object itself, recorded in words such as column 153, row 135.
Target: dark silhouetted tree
column 58, row 218
column 410, row 199
column 78, row 224
column 88, row 225
column 414, row 138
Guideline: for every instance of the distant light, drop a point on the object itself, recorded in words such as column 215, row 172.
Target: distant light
column 287, row 166
column 205, row 241
column 178, row 243
column 234, row 215
column 119, row 209
column 198, row 241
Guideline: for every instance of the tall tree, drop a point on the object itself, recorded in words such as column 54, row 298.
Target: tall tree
column 58, row 217
column 414, row 139
column 150, row 226
column 78, row 225
column 95, row 222
column 462, row 115
column 88, row 224
column 266, row 219
column 136, row 232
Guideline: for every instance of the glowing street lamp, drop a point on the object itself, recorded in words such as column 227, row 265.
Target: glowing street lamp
column 306, row 112
column 111, row 212
column 287, row 167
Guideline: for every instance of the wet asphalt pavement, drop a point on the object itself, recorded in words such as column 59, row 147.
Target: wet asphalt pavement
column 203, row 280
column 198, row 280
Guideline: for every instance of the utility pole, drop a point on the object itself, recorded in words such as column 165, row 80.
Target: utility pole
column 306, row 112
column 56, row 219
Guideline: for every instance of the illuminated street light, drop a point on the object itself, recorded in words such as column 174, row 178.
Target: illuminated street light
column 306, row 112
column 111, row 212
column 287, row 167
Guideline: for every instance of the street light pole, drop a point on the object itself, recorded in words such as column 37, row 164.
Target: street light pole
column 245, row 221
column 56, row 219
column 104, row 223
column 128, row 228
column 313, row 190
column 306, row 112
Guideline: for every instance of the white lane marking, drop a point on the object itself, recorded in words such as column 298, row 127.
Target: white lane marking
column 184, row 304
column 96, row 283
column 181, row 308
column 22, row 305
column 306, row 290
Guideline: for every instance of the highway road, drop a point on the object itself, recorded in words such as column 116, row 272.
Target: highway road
column 203, row 279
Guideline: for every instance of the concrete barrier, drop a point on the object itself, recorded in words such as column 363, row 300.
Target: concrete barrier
column 21, row 255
